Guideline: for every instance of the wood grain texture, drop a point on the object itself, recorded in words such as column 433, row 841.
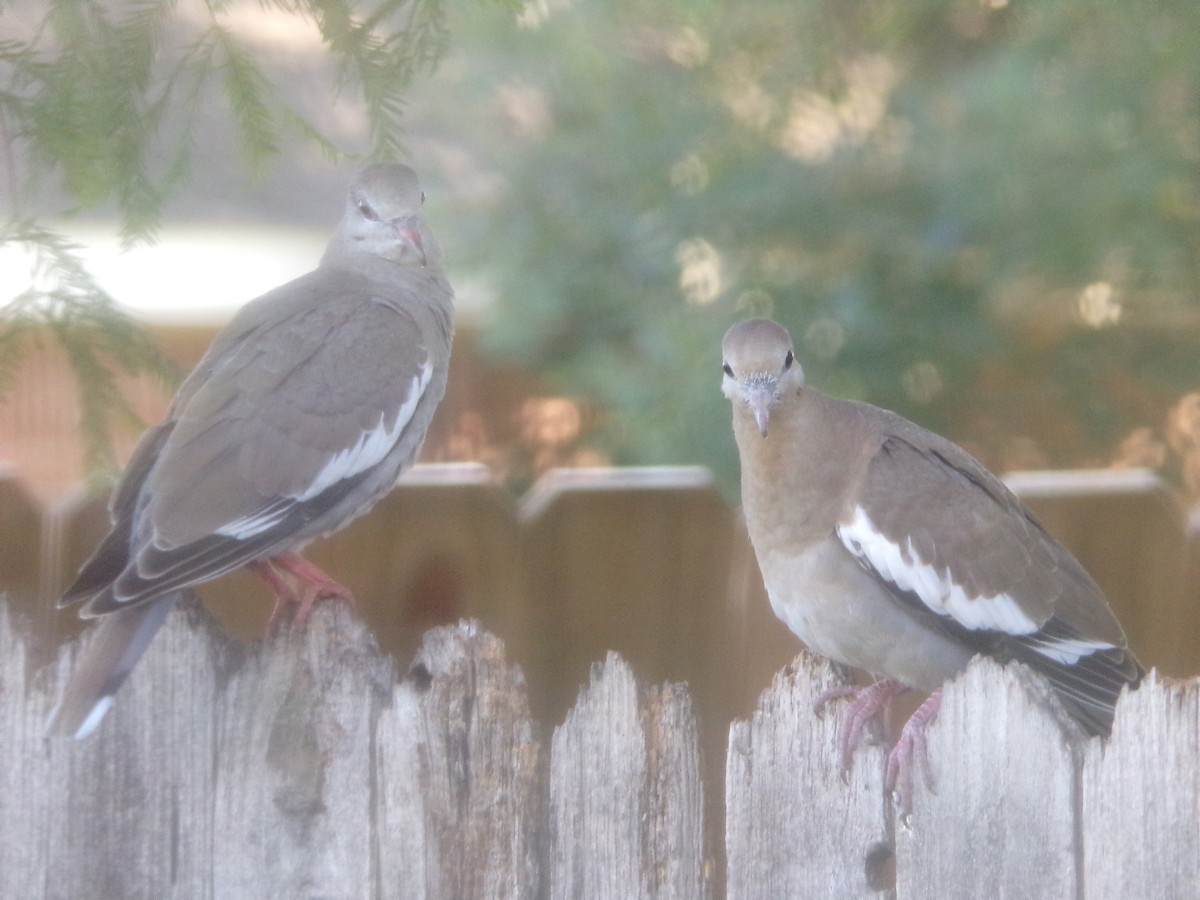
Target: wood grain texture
column 295, row 760
column 460, row 788
column 31, row 792
column 130, row 814
column 1001, row 820
column 795, row 827
column 625, row 793
column 1141, row 796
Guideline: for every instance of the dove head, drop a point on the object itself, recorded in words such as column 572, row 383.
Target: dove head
column 383, row 216
column 760, row 368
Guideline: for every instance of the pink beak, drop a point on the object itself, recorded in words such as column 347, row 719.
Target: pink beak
column 408, row 232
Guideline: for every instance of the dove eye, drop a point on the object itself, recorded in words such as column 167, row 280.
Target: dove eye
column 365, row 208
column 727, row 369
column 788, row 360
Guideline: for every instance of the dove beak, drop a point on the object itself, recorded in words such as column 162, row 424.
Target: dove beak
column 760, row 398
column 408, row 232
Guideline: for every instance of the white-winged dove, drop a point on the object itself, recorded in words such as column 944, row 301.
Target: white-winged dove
column 302, row 414
column 890, row 549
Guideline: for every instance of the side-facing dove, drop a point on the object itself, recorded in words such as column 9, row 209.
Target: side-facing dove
column 302, row 414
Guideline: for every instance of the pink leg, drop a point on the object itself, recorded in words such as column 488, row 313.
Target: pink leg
column 281, row 589
column 306, row 586
column 909, row 750
column 868, row 703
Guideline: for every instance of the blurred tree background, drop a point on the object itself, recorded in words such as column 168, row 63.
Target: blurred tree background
column 983, row 215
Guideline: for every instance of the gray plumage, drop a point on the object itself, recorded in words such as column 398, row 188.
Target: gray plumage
column 305, row 411
column 888, row 548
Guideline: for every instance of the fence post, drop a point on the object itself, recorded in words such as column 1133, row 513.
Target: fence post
column 1141, row 796
column 626, row 801
column 1002, row 819
column 129, row 812
column 25, row 569
column 794, row 826
column 460, row 795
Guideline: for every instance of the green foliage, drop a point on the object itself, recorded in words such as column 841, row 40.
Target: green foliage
column 984, row 215
column 63, row 302
column 99, row 95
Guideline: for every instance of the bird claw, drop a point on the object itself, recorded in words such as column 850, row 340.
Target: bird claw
column 305, row 601
column 306, row 587
column 833, row 693
column 866, row 704
column 910, row 750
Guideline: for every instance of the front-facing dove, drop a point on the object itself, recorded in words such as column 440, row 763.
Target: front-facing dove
column 885, row 547
column 302, row 414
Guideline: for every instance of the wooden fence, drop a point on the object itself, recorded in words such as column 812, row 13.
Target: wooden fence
column 298, row 767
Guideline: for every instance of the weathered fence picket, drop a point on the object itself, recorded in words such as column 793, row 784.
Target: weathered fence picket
column 795, row 826
column 301, row 766
column 460, row 776
column 1141, row 796
column 626, row 799
column 1002, row 822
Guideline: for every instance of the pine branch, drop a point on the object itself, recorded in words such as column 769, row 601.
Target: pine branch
column 100, row 342
column 382, row 54
column 248, row 90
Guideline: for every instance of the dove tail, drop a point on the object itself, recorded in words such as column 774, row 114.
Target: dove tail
column 108, row 657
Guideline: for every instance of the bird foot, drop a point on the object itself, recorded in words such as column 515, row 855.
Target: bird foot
column 867, row 703
column 297, row 583
column 910, row 751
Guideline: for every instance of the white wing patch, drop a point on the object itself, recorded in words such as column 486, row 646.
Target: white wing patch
column 1067, row 651
column 935, row 587
column 259, row 521
column 372, row 446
